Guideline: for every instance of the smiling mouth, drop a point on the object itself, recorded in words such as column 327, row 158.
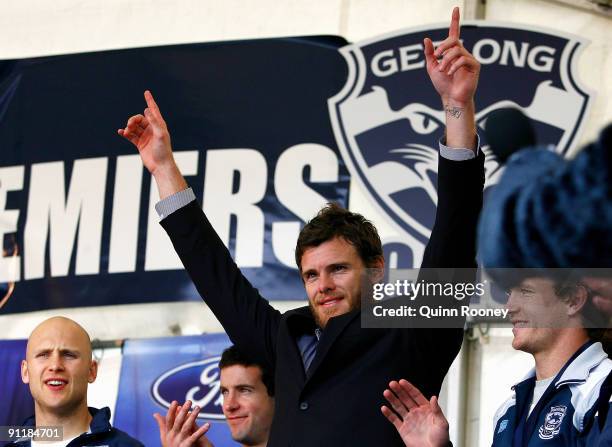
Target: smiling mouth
column 56, row 384
column 328, row 302
column 236, row 419
column 517, row 325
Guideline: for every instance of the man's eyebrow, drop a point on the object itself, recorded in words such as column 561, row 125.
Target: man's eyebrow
column 526, row 285
column 41, row 350
column 340, row 264
column 69, row 351
column 62, row 350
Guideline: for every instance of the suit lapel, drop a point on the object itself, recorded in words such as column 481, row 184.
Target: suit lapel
column 299, row 321
column 335, row 326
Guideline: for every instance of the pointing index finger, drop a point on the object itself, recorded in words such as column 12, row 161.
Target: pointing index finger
column 453, row 30
column 151, row 104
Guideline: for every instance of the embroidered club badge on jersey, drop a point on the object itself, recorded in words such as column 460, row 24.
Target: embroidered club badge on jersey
column 552, row 422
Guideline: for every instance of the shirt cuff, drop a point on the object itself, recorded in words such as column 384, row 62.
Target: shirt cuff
column 174, row 202
column 458, row 153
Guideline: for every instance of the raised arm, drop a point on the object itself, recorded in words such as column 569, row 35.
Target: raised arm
column 249, row 320
column 454, row 73
column 452, row 244
column 149, row 133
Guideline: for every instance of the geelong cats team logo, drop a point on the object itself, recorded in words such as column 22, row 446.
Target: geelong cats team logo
column 198, row 382
column 387, row 119
column 552, row 422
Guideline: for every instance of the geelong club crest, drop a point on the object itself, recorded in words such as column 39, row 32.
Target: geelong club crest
column 388, row 118
column 552, row 422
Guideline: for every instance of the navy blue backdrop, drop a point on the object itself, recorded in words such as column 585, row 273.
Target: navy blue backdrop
column 263, row 95
column 154, row 372
column 16, row 403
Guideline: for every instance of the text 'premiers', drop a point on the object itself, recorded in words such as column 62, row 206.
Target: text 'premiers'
column 62, row 221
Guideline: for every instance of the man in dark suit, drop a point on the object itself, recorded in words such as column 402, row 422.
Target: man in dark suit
column 330, row 372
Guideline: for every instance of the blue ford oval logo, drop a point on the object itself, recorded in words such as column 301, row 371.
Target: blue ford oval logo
column 198, row 382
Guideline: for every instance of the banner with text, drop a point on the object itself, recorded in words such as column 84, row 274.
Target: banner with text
column 251, row 134
column 265, row 131
column 155, row 372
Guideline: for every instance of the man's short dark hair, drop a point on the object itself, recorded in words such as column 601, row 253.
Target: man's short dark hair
column 233, row 356
column 334, row 221
column 593, row 319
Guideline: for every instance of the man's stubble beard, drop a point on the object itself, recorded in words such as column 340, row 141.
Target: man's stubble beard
column 353, row 306
column 367, row 288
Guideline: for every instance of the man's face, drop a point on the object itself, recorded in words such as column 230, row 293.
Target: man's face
column 332, row 273
column 58, row 366
column 537, row 314
column 246, row 404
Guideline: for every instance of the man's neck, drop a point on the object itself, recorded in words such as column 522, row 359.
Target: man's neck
column 549, row 362
column 73, row 424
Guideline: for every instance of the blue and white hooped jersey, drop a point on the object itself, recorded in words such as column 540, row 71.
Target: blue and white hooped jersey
column 567, row 414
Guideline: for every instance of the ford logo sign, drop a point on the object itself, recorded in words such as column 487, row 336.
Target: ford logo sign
column 198, row 382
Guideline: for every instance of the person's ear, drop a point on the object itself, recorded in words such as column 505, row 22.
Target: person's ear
column 577, row 301
column 377, row 270
column 25, row 377
column 93, row 372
